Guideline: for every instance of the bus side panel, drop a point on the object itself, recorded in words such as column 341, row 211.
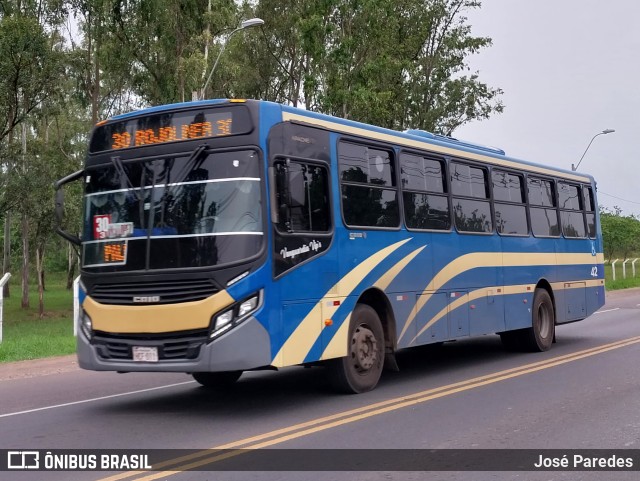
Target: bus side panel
column 571, row 282
column 520, row 282
column 471, row 284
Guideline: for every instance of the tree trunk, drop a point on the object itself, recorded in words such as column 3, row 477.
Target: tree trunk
column 72, row 260
column 6, row 256
column 25, row 262
column 6, row 259
column 40, row 269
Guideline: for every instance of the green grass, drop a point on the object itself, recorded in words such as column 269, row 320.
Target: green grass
column 26, row 336
column 621, row 283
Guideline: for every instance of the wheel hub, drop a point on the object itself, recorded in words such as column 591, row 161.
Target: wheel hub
column 364, row 348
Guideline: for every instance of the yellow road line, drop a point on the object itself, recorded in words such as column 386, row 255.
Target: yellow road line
column 339, row 419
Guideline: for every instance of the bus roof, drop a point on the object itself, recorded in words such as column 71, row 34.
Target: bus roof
column 426, row 140
column 418, row 139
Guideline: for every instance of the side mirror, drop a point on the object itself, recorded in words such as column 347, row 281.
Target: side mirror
column 59, row 206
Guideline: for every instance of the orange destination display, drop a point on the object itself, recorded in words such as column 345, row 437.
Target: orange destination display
column 170, row 127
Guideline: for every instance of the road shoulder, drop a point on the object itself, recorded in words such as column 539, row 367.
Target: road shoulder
column 38, row 367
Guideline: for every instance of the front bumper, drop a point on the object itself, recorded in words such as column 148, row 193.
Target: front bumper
column 247, row 346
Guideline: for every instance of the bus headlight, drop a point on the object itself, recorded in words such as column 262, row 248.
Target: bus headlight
column 248, row 306
column 86, row 326
column 235, row 314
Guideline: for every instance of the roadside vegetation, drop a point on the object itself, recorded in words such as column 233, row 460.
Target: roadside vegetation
column 27, row 336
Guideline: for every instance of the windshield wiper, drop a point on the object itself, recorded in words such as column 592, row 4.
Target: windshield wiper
column 190, row 164
column 117, row 163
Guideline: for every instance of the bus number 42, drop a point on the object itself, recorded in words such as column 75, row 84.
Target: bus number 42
column 594, row 271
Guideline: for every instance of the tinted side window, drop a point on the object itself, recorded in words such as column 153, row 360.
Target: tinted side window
column 511, row 219
column 571, row 217
column 369, row 196
column 511, row 213
column 303, row 194
column 589, row 204
column 468, row 181
column 424, row 211
column 360, row 163
column 541, row 192
column 422, row 173
column 365, row 206
column 572, row 224
column 472, row 215
column 568, row 196
column 507, row 187
column 590, row 207
column 544, row 222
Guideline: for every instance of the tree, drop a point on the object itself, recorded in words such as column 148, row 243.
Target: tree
column 398, row 64
column 162, row 44
column 620, row 234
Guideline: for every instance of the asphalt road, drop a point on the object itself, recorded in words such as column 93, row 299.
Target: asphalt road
column 582, row 394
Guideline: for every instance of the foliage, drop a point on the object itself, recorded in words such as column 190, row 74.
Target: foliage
column 65, row 64
column 397, row 64
column 620, row 234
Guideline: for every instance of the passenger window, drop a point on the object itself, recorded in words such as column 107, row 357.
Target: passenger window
column 511, row 213
column 541, row 192
column 468, row 184
column 468, row 181
column 571, row 216
column 426, row 205
column 590, row 216
column 369, row 194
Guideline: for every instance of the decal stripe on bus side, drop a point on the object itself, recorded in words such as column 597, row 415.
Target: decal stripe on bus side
column 507, row 290
column 301, row 340
column 337, row 347
column 496, row 259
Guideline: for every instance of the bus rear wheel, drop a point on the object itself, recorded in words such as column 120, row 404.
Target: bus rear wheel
column 217, row 379
column 360, row 370
column 539, row 336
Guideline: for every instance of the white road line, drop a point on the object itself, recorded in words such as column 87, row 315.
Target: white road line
column 607, row 310
column 94, row 399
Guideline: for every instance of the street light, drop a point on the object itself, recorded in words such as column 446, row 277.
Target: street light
column 252, row 22
column 604, row 132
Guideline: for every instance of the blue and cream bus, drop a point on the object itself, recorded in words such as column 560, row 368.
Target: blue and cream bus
column 228, row 235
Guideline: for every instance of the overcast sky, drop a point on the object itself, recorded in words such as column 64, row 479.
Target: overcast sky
column 569, row 69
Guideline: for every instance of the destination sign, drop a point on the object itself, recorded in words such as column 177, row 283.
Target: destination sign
column 170, row 127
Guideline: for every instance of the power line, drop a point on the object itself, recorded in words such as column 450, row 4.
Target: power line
column 619, row 198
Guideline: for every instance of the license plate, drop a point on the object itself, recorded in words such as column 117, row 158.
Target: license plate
column 145, row 354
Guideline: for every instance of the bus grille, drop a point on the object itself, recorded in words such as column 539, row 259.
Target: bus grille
column 177, row 349
column 162, row 292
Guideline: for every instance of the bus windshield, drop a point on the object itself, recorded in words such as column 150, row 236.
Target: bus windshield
column 173, row 212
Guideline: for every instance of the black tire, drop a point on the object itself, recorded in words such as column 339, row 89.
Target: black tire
column 360, row 370
column 539, row 337
column 217, row 379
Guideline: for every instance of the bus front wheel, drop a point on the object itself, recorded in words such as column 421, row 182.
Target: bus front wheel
column 217, row 379
column 360, row 370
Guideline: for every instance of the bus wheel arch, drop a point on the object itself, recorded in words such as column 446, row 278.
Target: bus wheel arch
column 541, row 335
column 379, row 301
column 369, row 328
